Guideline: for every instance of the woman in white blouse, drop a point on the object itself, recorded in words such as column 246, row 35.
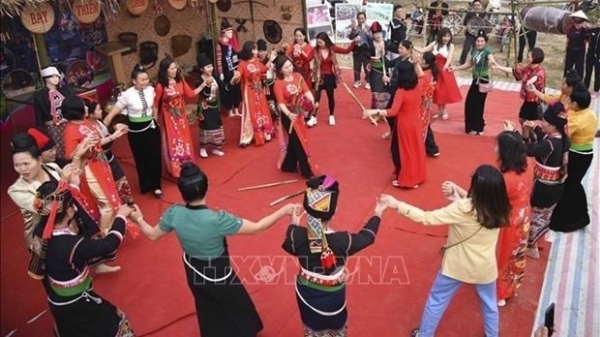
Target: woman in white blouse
column 144, row 135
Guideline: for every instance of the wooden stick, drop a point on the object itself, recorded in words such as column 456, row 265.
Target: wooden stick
column 373, row 121
column 256, row 187
column 285, row 197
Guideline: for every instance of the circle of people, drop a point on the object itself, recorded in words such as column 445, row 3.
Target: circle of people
column 77, row 204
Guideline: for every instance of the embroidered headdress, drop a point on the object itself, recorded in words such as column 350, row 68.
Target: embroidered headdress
column 320, row 202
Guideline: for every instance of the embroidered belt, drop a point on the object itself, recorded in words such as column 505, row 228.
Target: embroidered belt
column 323, row 280
column 546, row 173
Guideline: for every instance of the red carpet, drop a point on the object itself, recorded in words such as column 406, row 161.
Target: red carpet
column 389, row 281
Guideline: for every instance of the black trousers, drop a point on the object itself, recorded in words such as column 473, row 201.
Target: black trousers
column 395, row 149
column 592, row 65
column 295, row 156
column 360, row 61
column 574, row 60
column 146, row 150
column 431, row 147
column 474, row 108
column 231, row 97
column 571, row 212
column 526, row 36
column 467, row 45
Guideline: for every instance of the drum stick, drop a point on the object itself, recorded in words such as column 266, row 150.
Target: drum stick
column 256, row 187
column 373, row 121
column 285, row 197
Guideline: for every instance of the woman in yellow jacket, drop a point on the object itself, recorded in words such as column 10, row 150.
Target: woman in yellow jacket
column 474, row 218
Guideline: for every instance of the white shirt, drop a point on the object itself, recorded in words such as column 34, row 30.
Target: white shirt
column 442, row 51
column 130, row 102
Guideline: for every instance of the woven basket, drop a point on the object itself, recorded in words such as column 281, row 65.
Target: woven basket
column 137, row 7
column 38, row 19
column 178, row 4
column 180, row 44
column 86, row 11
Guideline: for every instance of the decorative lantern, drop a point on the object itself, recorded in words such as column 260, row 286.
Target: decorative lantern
column 86, row 11
column 38, row 19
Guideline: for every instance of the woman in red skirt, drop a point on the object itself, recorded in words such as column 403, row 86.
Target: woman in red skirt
column 446, row 90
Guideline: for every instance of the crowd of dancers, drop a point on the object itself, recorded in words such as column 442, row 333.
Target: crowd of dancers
column 77, row 203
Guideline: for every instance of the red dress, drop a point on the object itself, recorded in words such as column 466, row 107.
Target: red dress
column 256, row 115
column 512, row 241
column 177, row 137
column 446, row 89
column 302, row 61
column 406, row 107
column 428, row 89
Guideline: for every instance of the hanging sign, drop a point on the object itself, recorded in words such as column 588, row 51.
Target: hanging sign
column 86, row 11
column 178, row 4
column 38, row 19
column 137, row 7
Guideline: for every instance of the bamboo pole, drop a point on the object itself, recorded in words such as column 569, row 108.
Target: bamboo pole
column 285, row 197
column 256, row 187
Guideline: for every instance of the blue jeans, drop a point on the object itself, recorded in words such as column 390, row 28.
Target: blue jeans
column 441, row 294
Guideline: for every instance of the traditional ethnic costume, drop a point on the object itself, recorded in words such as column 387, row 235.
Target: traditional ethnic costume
column 380, row 92
column 529, row 109
column 592, row 59
column 212, row 134
column 551, row 154
column 47, row 108
column 223, row 306
column 571, row 211
column 143, row 136
column 475, row 100
column 302, row 60
column 65, row 267
column 256, row 115
column 576, row 44
column 227, row 64
column 118, row 174
column 176, row 137
column 396, row 33
column 409, row 144
column 512, row 241
column 428, row 89
column 296, row 152
column 97, row 173
column 322, row 253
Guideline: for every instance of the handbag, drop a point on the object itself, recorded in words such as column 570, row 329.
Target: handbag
column 445, row 247
column 484, row 88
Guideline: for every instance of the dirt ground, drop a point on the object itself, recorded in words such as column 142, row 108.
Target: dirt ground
column 553, row 46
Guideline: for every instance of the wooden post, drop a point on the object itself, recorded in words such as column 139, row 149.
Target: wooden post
column 215, row 30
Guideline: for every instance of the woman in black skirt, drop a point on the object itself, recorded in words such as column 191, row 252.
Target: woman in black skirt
column 143, row 133
column 480, row 60
column 571, row 211
column 223, row 306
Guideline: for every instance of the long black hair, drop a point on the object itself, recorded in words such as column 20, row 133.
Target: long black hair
column 511, row 152
column 407, row 76
column 279, row 62
column 489, row 197
column 246, row 52
column 303, row 31
column 429, row 59
column 325, row 38
column 439, row 39
column 163, row 68
column 73, row 108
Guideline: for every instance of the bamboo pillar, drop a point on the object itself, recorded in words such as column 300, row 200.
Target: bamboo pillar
column 214, row 29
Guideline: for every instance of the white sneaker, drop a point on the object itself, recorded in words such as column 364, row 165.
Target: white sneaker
column 331, row 120
column 312, row 121
column 367, row 86
column 268, row 137
column 217, row 152
column 203, row 153
column 357, row 84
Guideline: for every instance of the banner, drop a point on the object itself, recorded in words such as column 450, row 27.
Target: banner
column 382, row 13
column 318, row 20
column 344, row 14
